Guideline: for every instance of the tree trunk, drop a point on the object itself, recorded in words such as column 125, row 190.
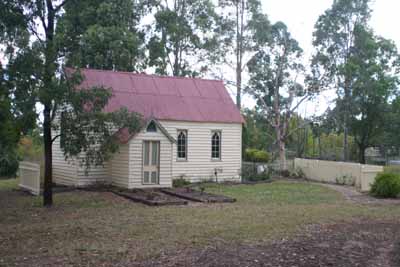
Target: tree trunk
column 346, row 120
column 48, row 176
column 345, row 142
column 361, row 156
column 46, row 99
column 319, row 147
column 239, row 51
column 282, row 156
column 238, row 87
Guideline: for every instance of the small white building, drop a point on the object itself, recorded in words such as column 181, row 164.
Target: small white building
column 193, row 131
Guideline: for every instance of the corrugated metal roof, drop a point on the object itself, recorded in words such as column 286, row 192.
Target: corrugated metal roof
column 166, row 98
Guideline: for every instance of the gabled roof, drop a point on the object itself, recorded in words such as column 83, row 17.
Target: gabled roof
column 123, row 135
column 166, row 98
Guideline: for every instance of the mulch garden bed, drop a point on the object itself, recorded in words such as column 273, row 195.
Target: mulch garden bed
column 151, row 197
column 197, row 196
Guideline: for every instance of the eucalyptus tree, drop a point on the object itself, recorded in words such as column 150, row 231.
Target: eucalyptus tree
column 243, row 29
column 182, row 38
column 275, row 71
column 334, row 40
column 34, row 50
column 102, row 34
column 374, row 64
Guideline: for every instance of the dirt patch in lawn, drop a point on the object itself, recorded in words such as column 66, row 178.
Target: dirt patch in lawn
column 197, row 196
column 151, row 197
column 352, row 244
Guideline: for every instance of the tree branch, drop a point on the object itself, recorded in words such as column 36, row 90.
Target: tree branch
column 60, row 5
column 299, row 103
column 54, row 111
column 296, row 129
column 54, row 138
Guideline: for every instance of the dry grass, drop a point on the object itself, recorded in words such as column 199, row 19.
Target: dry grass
column 90, row 228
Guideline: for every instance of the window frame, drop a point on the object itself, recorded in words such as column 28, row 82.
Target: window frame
column 179, row 131
column 219, row 132
column 150, row 129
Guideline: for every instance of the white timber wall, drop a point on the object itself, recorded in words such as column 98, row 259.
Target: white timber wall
column 64, row 172
column 199, row 166
column 359, row 175
column 118, row 167
column 70, row 172
column 136, row 161
column 95, row 174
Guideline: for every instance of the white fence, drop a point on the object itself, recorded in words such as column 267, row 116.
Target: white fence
column 29, row 177
column 361, row 176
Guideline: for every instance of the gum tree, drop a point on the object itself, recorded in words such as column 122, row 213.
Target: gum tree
column 274, row 74
column 35, row 73
column 243, row 28
column 334, row 40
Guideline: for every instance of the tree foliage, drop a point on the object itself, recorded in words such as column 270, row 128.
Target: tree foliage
column 274, row 71
column 373, row 64
column 102, row 34
column 243, row 29
column 35, row 75
column 334, row 40
column 183, row 37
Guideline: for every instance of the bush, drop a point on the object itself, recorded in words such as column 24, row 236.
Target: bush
column 386, row 185
column 249, row 173
column 180, row 182
column 260, row 177
column 255, row 155
column 8, row 163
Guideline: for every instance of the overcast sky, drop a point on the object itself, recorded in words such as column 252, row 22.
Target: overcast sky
column 300, row 17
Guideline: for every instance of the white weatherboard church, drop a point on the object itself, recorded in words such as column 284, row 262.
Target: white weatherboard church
column 193, row 131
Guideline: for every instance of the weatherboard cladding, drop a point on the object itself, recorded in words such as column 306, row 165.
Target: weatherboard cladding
column 166, row 98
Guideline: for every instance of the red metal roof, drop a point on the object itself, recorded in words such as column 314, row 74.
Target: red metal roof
column 166, row 98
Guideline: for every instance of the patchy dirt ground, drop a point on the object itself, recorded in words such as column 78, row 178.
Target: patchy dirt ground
column 284, row 223
column 366, row 244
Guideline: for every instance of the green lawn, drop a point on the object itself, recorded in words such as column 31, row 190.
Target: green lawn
column 392, row 169
column 93, row 228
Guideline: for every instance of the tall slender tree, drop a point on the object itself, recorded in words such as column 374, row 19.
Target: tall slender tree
column 35, row 75
column 244, row 28
column 274, row 73
column 334, row 39
column 183, row 37
column 374, row 64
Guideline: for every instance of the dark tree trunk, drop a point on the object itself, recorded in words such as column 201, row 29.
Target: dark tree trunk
column 346, row 120
column 319, row 147
column 48, row 176
column 46, row 99
column 361, row 156
column 345, row 142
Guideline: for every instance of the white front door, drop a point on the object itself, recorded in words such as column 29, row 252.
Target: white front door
column 151, row 162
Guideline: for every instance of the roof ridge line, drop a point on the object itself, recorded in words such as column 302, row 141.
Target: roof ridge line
column 152, row 75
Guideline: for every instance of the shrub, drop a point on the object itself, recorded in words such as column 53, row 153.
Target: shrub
column 8, row 163
column 265, row 176
column 249, row 173
column 255, row 155
column 386, row 185
column 180, row 182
